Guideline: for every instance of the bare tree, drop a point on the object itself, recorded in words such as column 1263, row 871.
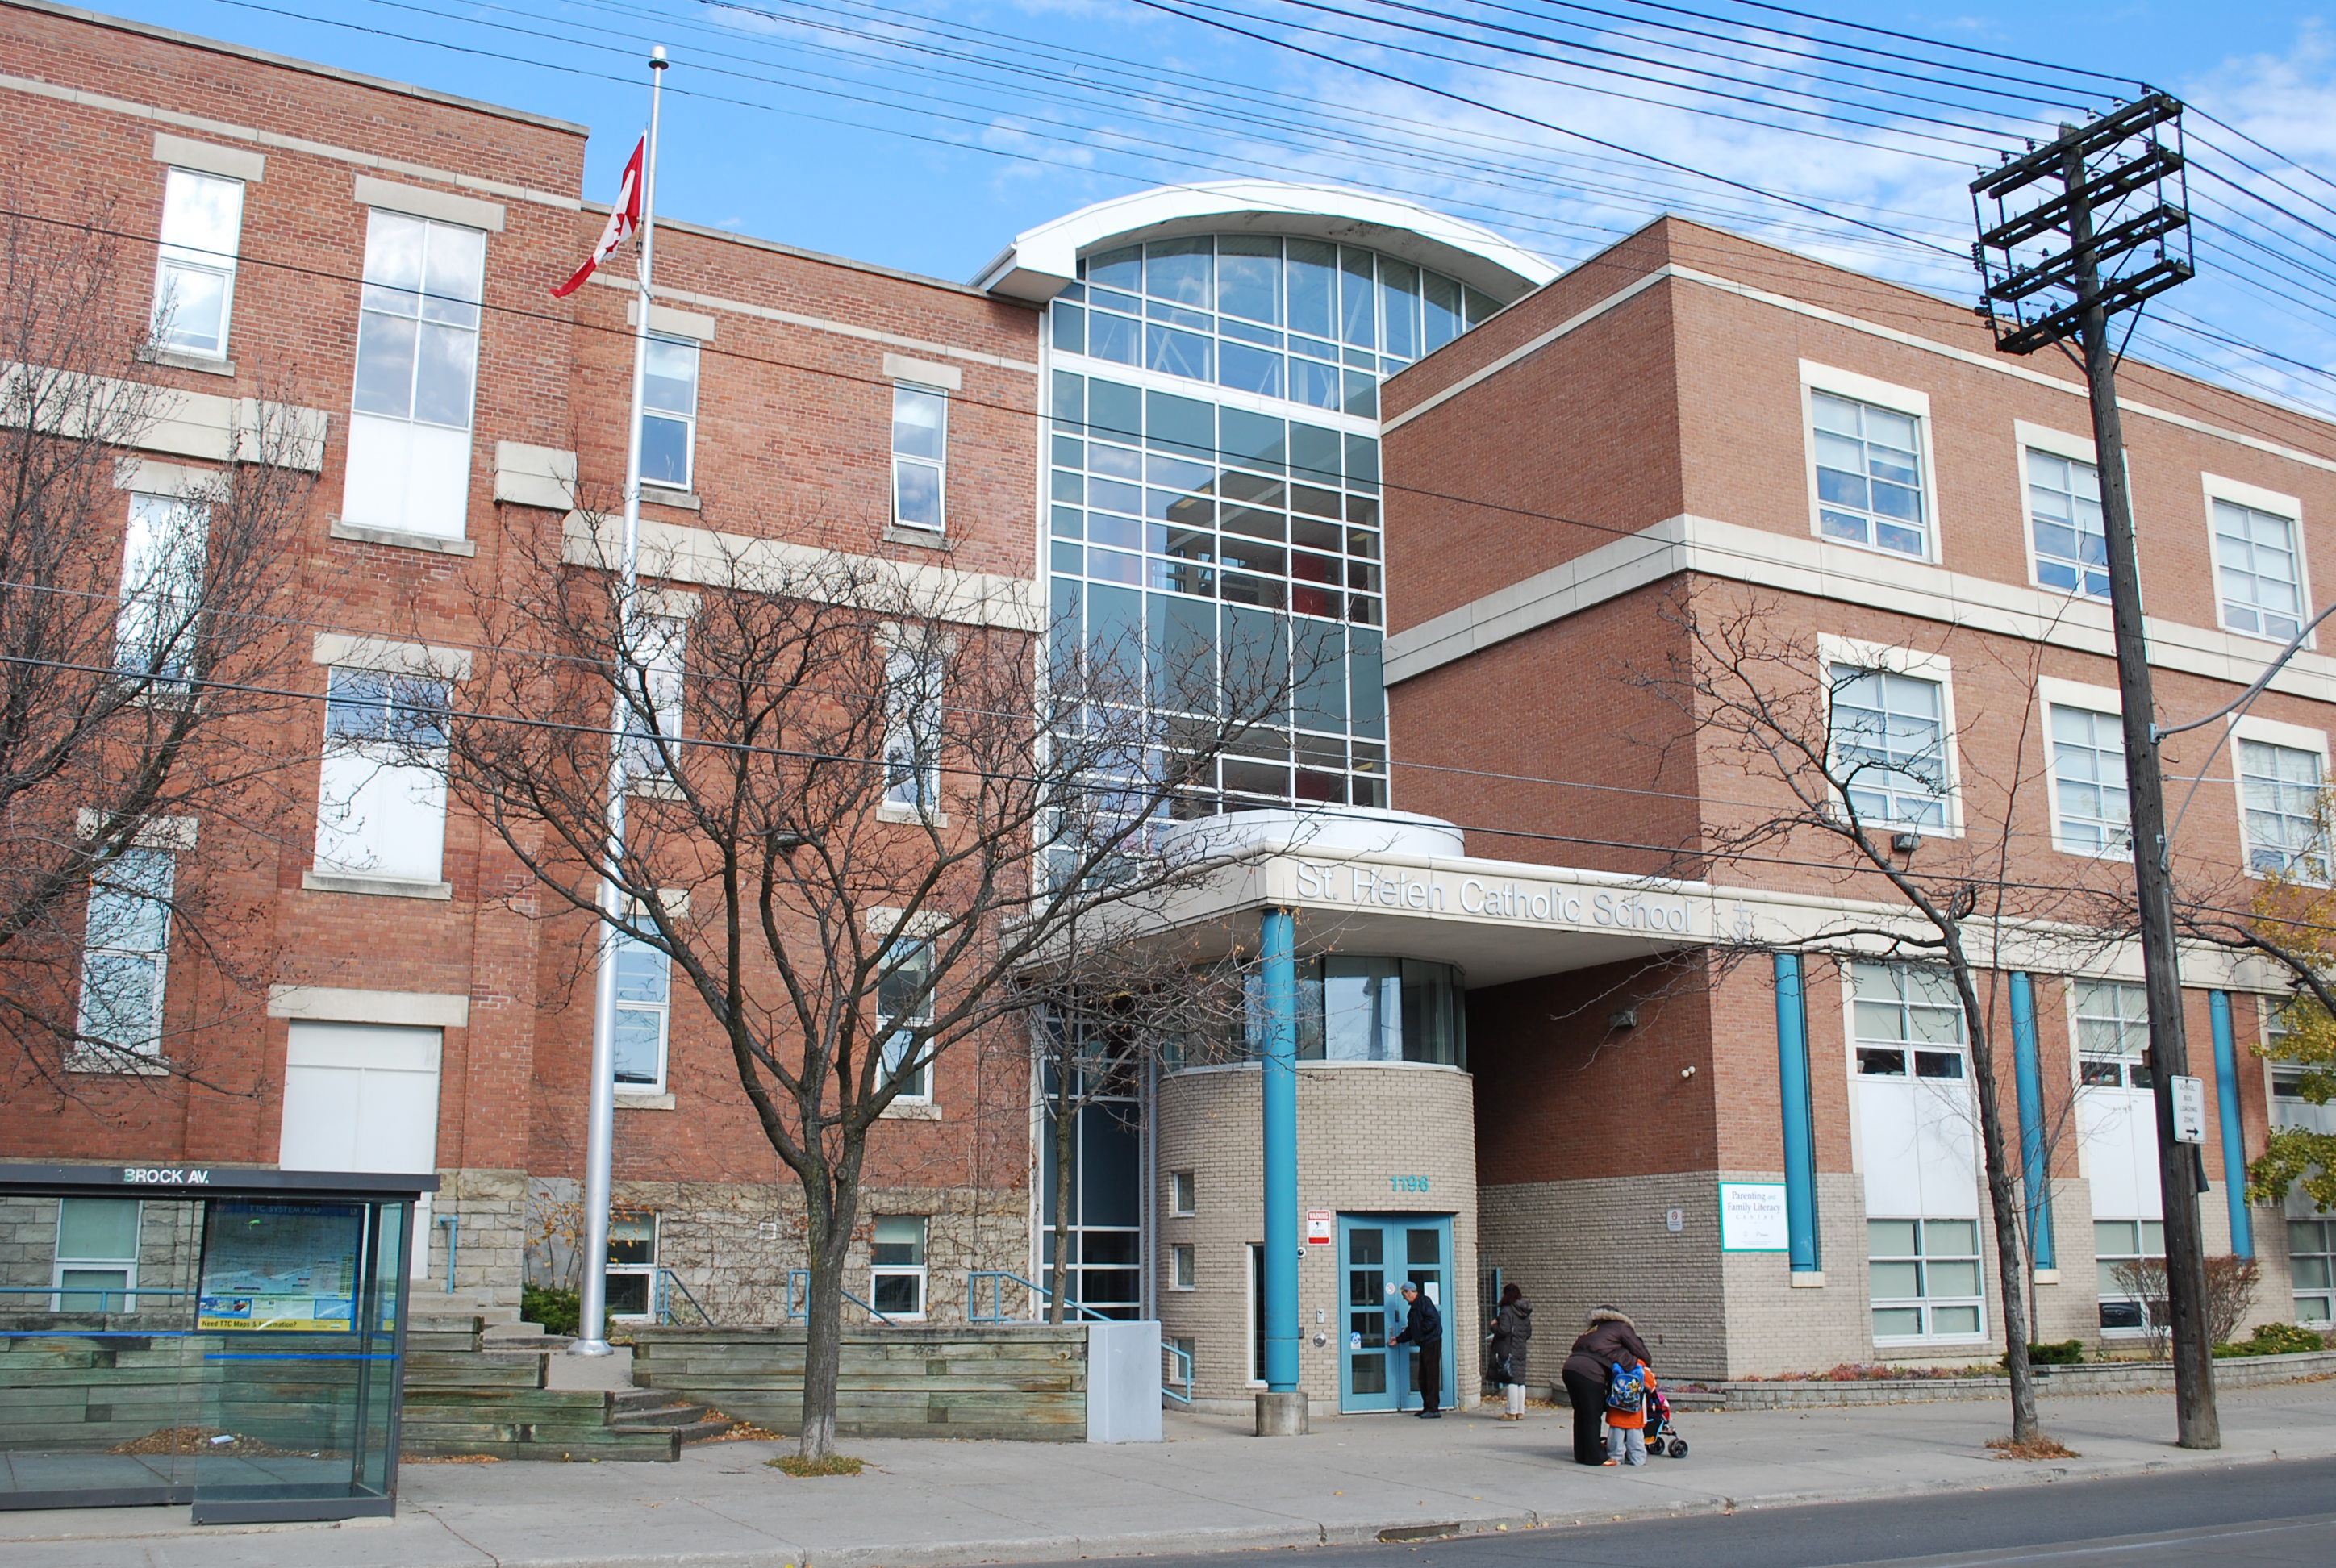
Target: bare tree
column 142, row 672
column 869, row 795
column 1116, row 1000
column 1841, row 786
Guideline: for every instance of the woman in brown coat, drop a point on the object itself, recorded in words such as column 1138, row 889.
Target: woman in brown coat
column 1610, row 1338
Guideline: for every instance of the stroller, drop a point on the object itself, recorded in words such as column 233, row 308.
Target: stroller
column 1662, row 1437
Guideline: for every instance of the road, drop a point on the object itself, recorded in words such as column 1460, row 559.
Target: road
column 2243, row 1517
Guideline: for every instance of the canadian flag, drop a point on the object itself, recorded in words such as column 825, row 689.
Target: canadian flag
column 622, row 222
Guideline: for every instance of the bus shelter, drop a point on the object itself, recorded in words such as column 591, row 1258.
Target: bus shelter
column 229, row 1339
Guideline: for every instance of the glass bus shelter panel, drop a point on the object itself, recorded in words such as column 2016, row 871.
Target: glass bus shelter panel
column 297, row 1328
column 97, row 1404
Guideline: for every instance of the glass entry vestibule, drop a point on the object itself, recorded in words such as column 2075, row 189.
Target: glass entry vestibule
column 1377, row 1253
column 230, row 1340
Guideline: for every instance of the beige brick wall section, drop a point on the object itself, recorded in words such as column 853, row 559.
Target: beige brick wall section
column 1358, row 1126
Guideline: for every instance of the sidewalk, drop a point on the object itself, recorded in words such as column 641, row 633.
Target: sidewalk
column 1211, row 1487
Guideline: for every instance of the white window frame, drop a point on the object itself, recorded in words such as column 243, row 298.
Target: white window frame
column 173, row 254
column 648, row 1270
column 1183, row 1194
column 1184, row 1270
column 912, row 734
column 2279, row 504
column 144, row 1053
column 2027, row 438
column 2270, row 732
column 1934, row 667
column 1894, row 399
column 2102, row 703
column 884, row 1032
column 2325, row 1291
column 2318, row 1118
column 939, row 466
column 661, row 1010
column 376, row 458
column 1927, row 1303
column 2129, row 1061
column 127, row 1267
column 662, row 654
column 156, row 522
column 390, row 761
column 2105, row 1290
column 920, row 1270
column 687, row 421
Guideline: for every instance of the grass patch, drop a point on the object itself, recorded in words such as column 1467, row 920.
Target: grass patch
column 2036, row 1448
column 833, row 1465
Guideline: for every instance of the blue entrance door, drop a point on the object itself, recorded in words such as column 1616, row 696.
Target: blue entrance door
column 1377, row 1253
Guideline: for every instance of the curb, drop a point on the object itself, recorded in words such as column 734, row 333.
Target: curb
column 1299, row 1536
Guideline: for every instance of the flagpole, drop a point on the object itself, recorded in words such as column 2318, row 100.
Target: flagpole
column 600, row 1132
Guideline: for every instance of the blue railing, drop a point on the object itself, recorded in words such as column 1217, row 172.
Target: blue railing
column 998, row 1279
column 799, row 1298
column 1184, row 1360
column 663, row 1284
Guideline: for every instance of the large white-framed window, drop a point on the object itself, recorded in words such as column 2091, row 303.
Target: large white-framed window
column 644, row 1019
column 903, row 1001
column 919, row 456
column 1924, row 1280
column 2112, row 1035
column 194, row 273
column 165, row 554
column 381, row 799
column 125, row 960
column 632, row 1264
column 1892, row 716
column 2120, row 1247
column 2117, row 1128
column 2280, row 770
column 897, row 1275
column 2091, row 811
column 913, row 730
column 2068, row 545
column 409, row 462
column 96, row 1267
column 670, row 413
column 1869, row 462
column 2259, row 566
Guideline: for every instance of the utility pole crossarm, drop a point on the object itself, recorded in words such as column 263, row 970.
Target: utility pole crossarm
column 2037, row 294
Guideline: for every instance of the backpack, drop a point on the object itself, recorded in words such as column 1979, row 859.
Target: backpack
column 1627, row 1390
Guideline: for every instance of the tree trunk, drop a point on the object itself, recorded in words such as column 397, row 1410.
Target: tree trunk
column 1067, row 1133
column 2010, row 1254
column 830, row 1241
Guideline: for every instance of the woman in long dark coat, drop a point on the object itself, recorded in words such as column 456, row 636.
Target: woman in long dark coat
column 1610, row 1338
column 1512, row 1331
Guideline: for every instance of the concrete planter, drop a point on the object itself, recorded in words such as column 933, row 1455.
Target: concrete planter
column 2107, row 1377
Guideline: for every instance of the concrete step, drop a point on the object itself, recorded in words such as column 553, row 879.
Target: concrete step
column 436, row 1303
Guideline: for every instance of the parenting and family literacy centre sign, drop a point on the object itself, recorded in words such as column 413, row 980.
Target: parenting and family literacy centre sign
column 1752, row 1217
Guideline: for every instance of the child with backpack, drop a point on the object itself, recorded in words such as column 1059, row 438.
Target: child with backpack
column 1629, row 1389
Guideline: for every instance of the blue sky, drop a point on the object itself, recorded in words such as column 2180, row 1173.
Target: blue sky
column 836, row 125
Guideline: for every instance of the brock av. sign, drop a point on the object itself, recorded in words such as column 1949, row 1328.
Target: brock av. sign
column 1526, row 901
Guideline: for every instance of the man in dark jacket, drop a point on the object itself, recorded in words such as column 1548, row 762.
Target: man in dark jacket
column 1610, row 1337
column 1424, row 1329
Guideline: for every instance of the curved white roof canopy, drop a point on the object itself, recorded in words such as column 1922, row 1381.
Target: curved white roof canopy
column 1042, row 262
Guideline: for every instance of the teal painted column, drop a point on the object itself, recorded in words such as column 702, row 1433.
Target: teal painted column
column 2033, row 1153
column 1277, row 944
column 2234, row 1143
column 1800, row 1131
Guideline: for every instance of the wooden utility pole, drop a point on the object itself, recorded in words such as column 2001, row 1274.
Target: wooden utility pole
column 2070, row 263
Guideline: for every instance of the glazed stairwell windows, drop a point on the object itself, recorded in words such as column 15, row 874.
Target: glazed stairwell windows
column 417, row 362
column 194, row 275
column 919, row 456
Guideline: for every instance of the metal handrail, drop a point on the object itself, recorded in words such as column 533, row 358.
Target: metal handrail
column 803, row 1310
column 1184, row 1360
column 667, row 1280
column 997, row 1313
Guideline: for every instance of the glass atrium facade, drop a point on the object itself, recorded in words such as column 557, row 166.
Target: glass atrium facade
column 1215, row 482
